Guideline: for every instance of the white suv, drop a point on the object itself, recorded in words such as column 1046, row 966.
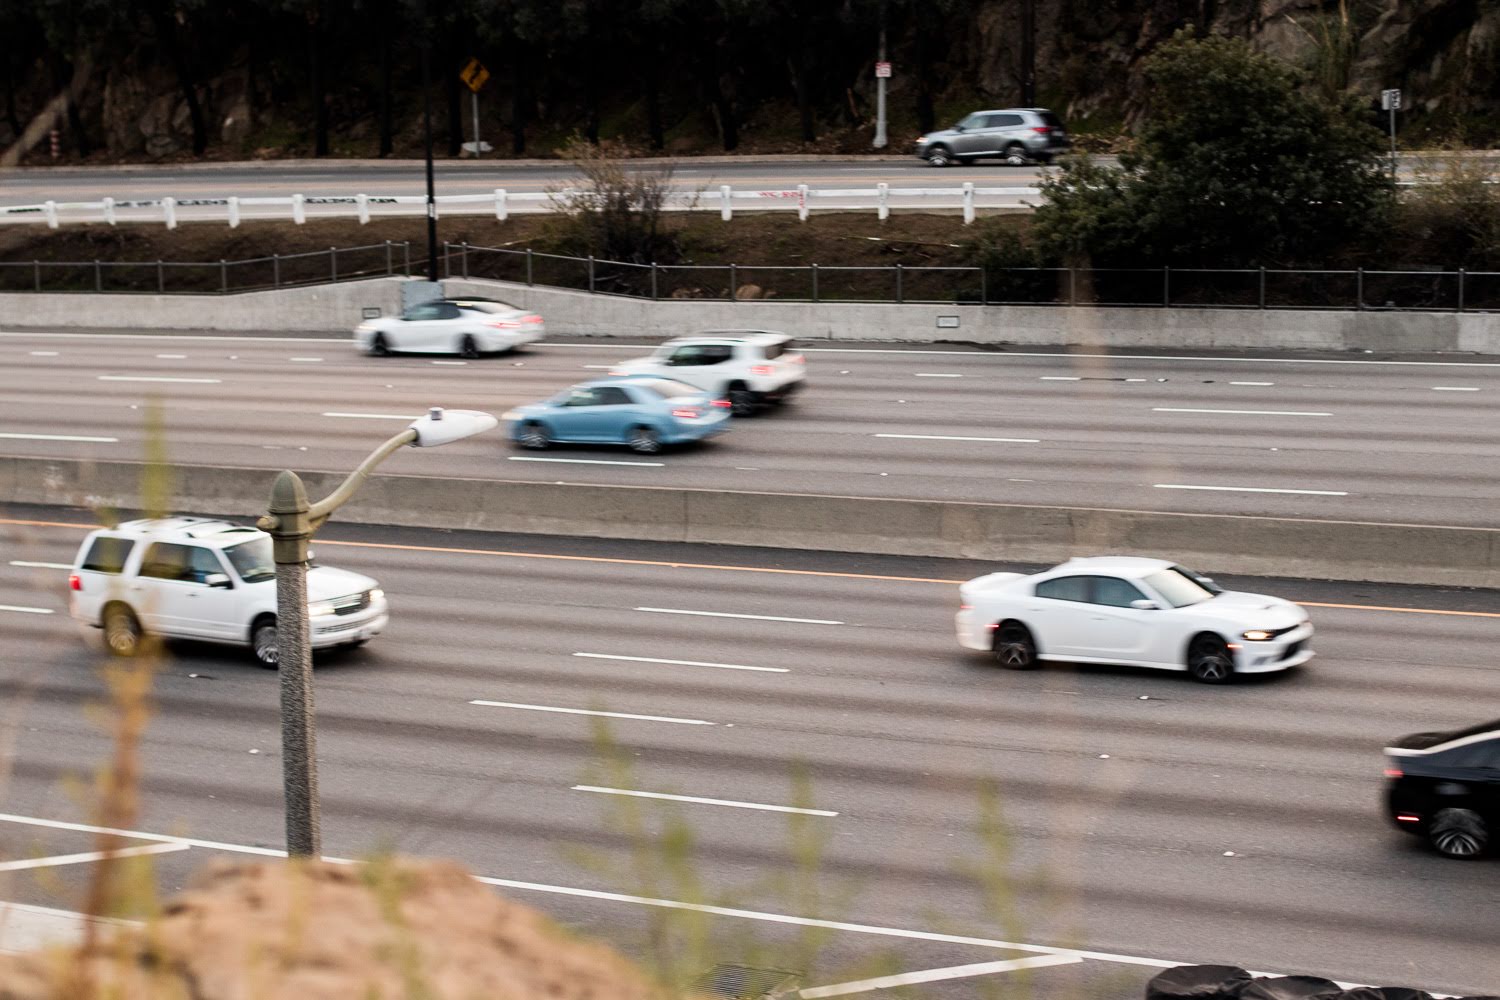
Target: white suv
column 750, row 368
column 199, row 578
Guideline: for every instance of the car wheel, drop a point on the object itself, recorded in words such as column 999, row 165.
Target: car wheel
column 940, row 156
column 645, row 441
column 468, row 346
column 378, row 347
column 534, row 435
column 1209, row 660
column 742, row 402
column 1015, row 155
column 122, row 631
column 1014, row 647
column 263, row 642
column 1459, row 833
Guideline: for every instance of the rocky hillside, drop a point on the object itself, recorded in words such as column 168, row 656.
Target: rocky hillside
column 173, row 79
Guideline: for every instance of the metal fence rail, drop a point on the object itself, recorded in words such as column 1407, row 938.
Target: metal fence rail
column 1346, row 289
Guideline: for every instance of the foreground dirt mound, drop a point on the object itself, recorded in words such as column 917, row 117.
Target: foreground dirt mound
column 386, row 931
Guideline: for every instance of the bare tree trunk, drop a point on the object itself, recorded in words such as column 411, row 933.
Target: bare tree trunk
column 166, row 34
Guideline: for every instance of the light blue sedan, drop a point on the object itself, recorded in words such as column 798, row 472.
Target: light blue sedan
column 644, row 413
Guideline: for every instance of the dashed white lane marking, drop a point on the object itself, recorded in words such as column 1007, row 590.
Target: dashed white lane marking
column 1062, row 378
column 1253, row 413
column 730, row 614
column 681, row 663
column 172, row 357
column 450, row 362
column 88, row 857
column 372, row 416
column 1455, row 388
column 585, row 711
column 44, row 354
column 58, row 437
column 158, row 378
column 948, row 437
column 1249, row 489
column 598, row 368
column 584, row 461
column 936, row 975
column 39, row 565
column 937, row 375
column 304, row 359
column 18, row 609
column 697, row 800
column 1252, row 383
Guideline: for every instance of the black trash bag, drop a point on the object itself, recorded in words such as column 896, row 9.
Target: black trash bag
column 1385, row 993
column 1292, row 988
column 1198, row 982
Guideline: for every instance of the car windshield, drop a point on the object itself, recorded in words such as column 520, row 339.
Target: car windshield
column 666, row 387
column 252, row 560
column 1180, row 588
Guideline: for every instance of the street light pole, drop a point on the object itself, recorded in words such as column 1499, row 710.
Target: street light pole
column 432, row 266
column 291, row 522
column 881, row 140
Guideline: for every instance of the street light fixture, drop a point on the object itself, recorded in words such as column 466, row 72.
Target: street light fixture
column 291, row 522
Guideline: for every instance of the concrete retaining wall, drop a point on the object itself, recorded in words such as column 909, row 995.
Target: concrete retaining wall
column 337, row 309
column 1340, row 550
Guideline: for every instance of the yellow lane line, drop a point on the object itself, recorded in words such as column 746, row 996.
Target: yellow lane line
column 504, row 553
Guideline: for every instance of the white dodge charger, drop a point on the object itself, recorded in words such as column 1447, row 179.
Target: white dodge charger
column 1131, row 611
column 469, row 327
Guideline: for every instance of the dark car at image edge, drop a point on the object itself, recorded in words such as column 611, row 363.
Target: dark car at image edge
column 1445, row 786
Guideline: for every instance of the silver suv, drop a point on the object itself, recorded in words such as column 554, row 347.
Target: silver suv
column 1016, row 135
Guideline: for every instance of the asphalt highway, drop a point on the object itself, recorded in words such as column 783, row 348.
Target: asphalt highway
column 1366, row 437
column 1141, row 817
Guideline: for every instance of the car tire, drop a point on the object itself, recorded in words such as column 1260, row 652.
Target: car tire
column 1014, row 155
column 122, row 631
column 1458, row 833
column 1209, row 660
column 534, row 436
column 644, row 440
column 1015, row 649
column 263, row 643
column 940, row 156
column 468, row 347
column 742, row 402
column 378, row 346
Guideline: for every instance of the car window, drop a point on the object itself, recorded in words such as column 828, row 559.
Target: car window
column 167, row 561
column 202, row 563
column 447, row 310
column 976, row 120
column 427, row 310
column 611, row 395
column 1004, row 121
column 1064, row 588
column 1113, row 592
column 492, row 308
column 108, row 555
column 1483, row 754
column 666, row 387
column 581, row 397
column 777, row 349
column 1048, row 118
column 253, row 560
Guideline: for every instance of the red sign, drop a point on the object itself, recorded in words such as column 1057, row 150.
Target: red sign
column 882, row 69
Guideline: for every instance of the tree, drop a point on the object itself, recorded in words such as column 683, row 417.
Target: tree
column 1238, row 164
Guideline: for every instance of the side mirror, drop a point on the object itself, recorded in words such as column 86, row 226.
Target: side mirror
column 218, row 580
column 1143, row 605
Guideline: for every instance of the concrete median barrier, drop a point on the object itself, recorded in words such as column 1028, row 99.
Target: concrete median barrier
column 1313, row 549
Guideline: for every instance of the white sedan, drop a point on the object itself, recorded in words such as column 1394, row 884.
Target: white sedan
column 1131, row 611
column 469, row 327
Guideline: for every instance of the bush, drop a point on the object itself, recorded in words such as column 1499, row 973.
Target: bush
column 618, row 213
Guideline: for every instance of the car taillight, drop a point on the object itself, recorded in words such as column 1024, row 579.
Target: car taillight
column 532, row 319
column 965, row 607
column 722, row 404
column 1408, row 818
column 75, row 582
column 1044, row 129
column 684, row 411
column 761, row 369
column 1393, row 772
column 503, row 324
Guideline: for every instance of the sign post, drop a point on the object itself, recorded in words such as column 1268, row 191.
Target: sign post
column 882, row 74
column 1390, row 101
column 474, row 76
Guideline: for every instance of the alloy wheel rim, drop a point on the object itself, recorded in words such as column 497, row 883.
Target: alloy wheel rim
column 1211, row 666
column 119, row 636
column 644, row 441
column 1457, row 835
column 265, row 648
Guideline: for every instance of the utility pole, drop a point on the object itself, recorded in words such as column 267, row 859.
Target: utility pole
column 432, row 264
column 882, row 73
column 1028, row 53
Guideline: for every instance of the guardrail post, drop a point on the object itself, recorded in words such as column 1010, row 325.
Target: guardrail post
column 1166, row 286
column 528, row 265
column 654, row 295
column 1359, row 288
column 465, row 245
column 802, row 202
column 234, row 211
column 984, row 286
column 1460, row 289
column 815, row 282
column 98, row 275
column 388, row 258
column 406, row 257
column 333, row 264
column 275, row 270
column 734, row 284
column 36, row 274
column 899, row 295
column 161, row 277
column 447, row 260
column 1262, row 286
column 223, row 275
column 299, row 215
column 726, row 210
column 109, row 210
column 1072, row 286
column 968, row 202
column 169, row 211
column 50, row 207
column 362, row 206
column 501, row 208
column 883, row 201
column 591, row 272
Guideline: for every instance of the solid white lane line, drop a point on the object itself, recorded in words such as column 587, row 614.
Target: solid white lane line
column 44, row 354
column 937, row 375
column 583, row 711
column 1252, row 383
column 1249, row 489
column 58, row 860
column 58, row 437
column 948, row 437
column 55, row 334
column 1254, row 413
column 39, row 565
column 1455, row 388
column 450, row 362
column 728, row 614
column 18, row 609
column 304, row 359
column 678, row 663
column 157, row 378
column 1122, row 357
column 172, row 357
column 936, row 975
column 372, row 416
column 733, row 804
column 583, row 461
column 1061, row 378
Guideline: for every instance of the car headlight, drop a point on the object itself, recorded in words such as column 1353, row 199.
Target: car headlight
column 364, row 328
column 511, row 415
column 377, row 595
column 1258, row 635
column 320, row 609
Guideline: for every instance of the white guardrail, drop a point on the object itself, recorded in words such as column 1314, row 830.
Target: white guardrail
column 170, row 211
